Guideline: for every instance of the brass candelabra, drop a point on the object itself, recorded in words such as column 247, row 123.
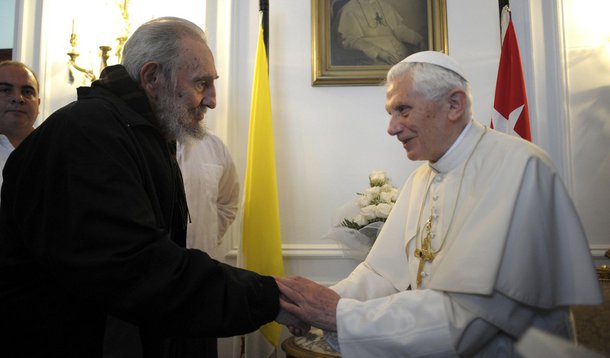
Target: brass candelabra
column 104, row 49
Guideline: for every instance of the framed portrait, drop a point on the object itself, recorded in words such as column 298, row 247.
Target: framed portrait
column 355, row 42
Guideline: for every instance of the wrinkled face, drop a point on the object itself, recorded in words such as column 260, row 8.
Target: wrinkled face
column 421, row 125
column 19, row 99
column 182, row 103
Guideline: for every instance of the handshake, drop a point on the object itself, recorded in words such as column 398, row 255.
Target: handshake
column 304, row 303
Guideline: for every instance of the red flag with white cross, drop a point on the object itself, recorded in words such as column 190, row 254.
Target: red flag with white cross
column 510, row 113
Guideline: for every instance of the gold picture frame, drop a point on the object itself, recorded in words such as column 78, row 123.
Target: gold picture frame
column 335, row 64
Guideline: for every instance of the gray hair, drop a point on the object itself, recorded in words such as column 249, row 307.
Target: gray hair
column 432, row 81
column 158, row 40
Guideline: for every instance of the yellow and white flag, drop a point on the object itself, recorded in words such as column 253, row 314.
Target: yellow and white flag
column 261, row 242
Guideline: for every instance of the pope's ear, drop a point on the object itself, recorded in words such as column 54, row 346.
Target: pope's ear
column 457, row 104
column 150, row 76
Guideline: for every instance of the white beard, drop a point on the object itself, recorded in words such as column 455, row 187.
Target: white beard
column 176, row 120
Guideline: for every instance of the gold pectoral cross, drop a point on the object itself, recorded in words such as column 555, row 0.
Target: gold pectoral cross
column 424, row 254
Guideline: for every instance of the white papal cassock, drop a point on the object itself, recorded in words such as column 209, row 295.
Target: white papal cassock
column 512, row 254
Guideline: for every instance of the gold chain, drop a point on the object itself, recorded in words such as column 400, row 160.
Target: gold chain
column 424, row 252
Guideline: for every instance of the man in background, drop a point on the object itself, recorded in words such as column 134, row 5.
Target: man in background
column 19, row 106
column 482, row 244
column 211, row 185
column 212, row 191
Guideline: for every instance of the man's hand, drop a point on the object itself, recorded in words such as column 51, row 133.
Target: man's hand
column 294, row 325
column 312, row 303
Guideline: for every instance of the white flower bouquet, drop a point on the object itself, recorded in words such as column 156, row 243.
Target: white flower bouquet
column 362, row 218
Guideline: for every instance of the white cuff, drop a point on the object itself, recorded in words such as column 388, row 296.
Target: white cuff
column 405, row 324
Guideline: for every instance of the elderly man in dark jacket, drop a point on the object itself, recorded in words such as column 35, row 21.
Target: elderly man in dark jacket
column 93, row 213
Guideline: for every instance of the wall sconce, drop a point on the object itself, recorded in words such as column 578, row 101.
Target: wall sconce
column 104, row 53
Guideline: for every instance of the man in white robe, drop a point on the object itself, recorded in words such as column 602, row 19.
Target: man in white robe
column 482, row 244
column 211, row 185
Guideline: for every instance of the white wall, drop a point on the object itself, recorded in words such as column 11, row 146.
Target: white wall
column 587, row 43
column 7, row 23
column 329, row 138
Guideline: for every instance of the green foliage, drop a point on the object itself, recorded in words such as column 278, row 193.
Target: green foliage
column 353, row 225
column 350, row 224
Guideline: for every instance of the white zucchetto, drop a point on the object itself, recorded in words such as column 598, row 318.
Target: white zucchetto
column 438, row 59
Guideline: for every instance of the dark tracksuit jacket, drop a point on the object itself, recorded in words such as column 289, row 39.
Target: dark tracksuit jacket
column 92, row 223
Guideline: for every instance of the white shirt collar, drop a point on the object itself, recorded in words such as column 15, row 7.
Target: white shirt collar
column 5, row 143
column 454, row 156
